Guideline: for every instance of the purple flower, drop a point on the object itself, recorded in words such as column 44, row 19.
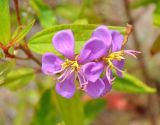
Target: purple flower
column 75, row 66
column 114, row 57
column 101, row 54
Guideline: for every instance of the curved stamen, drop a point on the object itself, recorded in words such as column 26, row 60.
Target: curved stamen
column 68, row 67
column 82, row 80
column 64, row 75
column 108, row 74
column 118, row 56
column 132, row 52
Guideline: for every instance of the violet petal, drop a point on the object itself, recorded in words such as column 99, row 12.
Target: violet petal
column 119, row 65
column 103, row 33
column 67, row 87
column 93, row 49
column 108, row 86
column 93, row 70
column 117, row 40
column 95, row 89
column 51, row 64
column 63, row 42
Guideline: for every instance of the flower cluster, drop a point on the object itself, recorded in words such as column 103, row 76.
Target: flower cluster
column 92, row 67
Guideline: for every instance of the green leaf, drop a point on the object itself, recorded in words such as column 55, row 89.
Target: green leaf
column 4, row 22
column 71, row 110
column 26, row 98
column 42, row 41
column 18, row 78
column 139, row 3
column 45, row 14
column 92, row 108
column 156, row 46
column 20, row 34
column 132, row 85
column 2, row 55
column 46, row 113
column 81, row 21
column 5, row 69
column 156, row 15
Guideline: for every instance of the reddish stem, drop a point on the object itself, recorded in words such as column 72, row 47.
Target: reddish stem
column 29, row 53
column 25, row 47
column 17, row 12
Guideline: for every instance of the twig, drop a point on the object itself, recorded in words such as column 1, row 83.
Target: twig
column 152, row 102
column 17, row 12
column 128, row 32
column 29, row 54
column 25, row 47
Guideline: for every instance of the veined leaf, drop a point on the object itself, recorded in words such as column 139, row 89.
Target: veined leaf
column 81, row 21
column 4, row 69
column 4, row 22
column 131, row 84
column 45, row 14
column 42, row 41
column 18, row 78
column 20, row 34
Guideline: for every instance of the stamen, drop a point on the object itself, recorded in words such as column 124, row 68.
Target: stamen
column 66, row 73
column 68, row 67
column 73, row 64
column 108, row 75
column 82, row 80
column 132, row 52
column 114, row 56
column 119, row 56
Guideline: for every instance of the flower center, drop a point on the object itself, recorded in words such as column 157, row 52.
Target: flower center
column 114, row 56
column 72, row 64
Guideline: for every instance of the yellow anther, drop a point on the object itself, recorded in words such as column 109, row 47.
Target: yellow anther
column 114, row 56
column 72, row 64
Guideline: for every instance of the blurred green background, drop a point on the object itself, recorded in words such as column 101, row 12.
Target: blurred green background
column 27, row 102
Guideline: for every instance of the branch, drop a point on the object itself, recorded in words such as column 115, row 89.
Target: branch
column 25, row 47
column 27, row 51
column 128, row 32
column 17, row 12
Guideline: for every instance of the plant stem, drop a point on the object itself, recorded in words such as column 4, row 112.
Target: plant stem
column 29, row 54
column 25, row 47
column 17, row 12
column 152, row 99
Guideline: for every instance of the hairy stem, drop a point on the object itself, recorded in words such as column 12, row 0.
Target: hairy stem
column 152, row 99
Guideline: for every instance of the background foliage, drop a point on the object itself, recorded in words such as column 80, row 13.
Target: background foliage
column 32, row 98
